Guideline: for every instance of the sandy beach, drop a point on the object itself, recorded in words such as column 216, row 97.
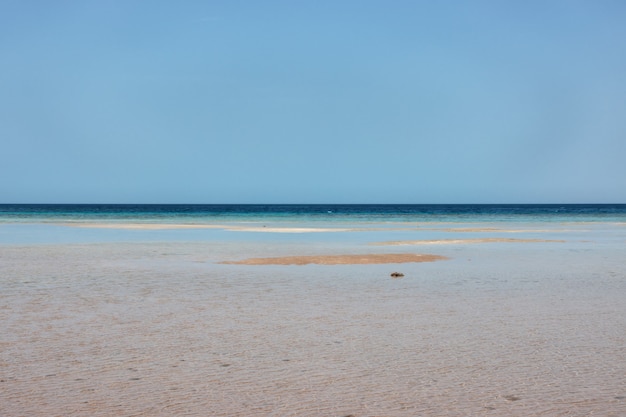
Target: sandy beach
column 295, row 325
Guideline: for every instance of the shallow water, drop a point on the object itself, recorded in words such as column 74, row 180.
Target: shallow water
column 146, row 323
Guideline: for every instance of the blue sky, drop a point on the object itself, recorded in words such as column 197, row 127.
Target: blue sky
column 343, row 101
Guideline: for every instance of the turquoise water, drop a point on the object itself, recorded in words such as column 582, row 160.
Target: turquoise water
column 50, row 224
column 30, row 224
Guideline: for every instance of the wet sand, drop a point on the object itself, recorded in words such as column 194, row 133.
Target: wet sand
column 365, row 259
column 164, row 328
column 466, row 241
column 234, row 228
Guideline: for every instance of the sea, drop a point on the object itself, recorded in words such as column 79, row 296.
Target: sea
column 43, row 220
column 153, row 310
column 201, row 213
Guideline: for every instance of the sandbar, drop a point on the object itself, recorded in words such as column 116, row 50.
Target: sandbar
column 233, row 228
column 493, row 229
column 389, row 258
column 143, row 226
column 264, row 229
column 463, row 241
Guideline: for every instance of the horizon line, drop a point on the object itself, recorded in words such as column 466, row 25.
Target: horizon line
column 305, row 204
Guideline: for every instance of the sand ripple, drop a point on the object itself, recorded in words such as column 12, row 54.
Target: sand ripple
column 152, row 330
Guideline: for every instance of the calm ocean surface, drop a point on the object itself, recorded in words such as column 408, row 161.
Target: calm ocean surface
column 313, row 212
column 109, row 310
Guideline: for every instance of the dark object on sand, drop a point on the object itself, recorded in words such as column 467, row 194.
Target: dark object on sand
column 397, row 275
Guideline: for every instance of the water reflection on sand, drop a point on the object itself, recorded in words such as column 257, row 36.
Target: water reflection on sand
column 163, row 328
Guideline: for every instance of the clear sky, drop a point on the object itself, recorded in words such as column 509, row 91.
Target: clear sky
column 321, row 101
